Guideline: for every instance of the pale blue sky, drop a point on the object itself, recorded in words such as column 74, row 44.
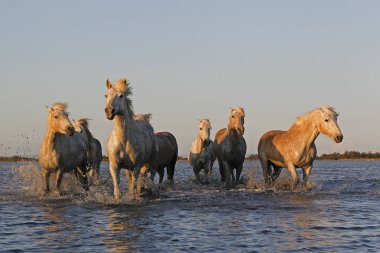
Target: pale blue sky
column 189, row 60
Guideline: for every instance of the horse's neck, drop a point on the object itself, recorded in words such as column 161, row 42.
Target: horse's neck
column 233, row 136
column 125, row 127
column 197, row 146
column 47, row 156
column 304, row 134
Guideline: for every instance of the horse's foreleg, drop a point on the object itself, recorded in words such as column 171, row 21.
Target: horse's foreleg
column 227, row 174
column 221, row 170
column 131, row 181
column 46, row 174
column 238, row 173
column 58, row 180
column 293, row 174
column 143, row 171
column 115, row 174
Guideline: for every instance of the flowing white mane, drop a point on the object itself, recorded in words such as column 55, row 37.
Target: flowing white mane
column 326, row 110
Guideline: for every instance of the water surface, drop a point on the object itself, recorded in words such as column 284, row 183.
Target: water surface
column 340, row 213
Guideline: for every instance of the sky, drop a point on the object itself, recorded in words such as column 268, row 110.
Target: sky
column 188, row 60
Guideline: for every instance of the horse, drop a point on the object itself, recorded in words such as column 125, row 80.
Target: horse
column 63, row 150
column 230, row 147
column 167, row 152
column 201, row 154
column 295, row 147
column 94, row 148
column 131, row 144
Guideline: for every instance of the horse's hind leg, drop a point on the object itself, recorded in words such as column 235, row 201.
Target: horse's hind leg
column 80, row 173
column 170, row 169
column 115, row 174
column 267, row 170
column 46, row 174
column 161, row 174
column 276, row 172
column 143, row 171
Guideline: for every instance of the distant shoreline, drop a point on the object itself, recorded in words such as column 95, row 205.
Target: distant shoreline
column 348, row 155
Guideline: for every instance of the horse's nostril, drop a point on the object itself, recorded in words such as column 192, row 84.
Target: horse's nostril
column 113, row 110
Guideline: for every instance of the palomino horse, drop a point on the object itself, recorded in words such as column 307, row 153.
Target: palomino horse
column 230, row 147
column 167, row 152
column 201, row 154
column 63, row 149
column 131, row 144
column 295, row 147
column 94, row 148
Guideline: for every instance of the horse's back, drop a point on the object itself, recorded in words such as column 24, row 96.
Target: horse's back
column 167, row 148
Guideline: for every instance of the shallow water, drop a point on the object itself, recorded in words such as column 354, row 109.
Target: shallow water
column 340, row 213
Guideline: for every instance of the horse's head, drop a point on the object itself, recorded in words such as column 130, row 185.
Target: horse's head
column 204, row 129
column 77, row 127
column 116, row 98
column 328, row 124
column 58, row 119
column 236, row 120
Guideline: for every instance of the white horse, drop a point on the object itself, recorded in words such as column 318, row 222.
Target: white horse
column 63, row 149
column 230, row 147
column 94, row 148
column 131, row 144
column 295, row 147
column 201, row 154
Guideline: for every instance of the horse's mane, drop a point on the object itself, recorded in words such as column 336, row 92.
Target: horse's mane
column 123, row 86
column 238, row 109
column 59, row 106
column 146, row 117
column 329, row 110
column 84, row 123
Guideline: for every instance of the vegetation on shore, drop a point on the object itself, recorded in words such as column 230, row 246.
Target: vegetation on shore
column 347, row 155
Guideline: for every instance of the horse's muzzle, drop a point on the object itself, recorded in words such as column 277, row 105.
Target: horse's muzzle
column 338, row 138
column 110, row 113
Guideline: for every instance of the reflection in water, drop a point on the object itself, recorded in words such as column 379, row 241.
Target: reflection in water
column 123, row 233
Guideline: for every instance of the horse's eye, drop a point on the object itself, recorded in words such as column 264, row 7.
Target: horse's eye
column 326, row 120
column 121, row 96
column 233, row 116
column 56, row 116
column 200, row 128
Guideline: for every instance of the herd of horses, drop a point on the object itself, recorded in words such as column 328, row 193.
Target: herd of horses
column 69, row 146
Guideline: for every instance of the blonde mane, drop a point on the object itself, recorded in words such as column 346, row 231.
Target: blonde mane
column 59, row 107
column 84, row 123
column 239, row 110
column 146, row 117
column 123, row 86
column 329, row 111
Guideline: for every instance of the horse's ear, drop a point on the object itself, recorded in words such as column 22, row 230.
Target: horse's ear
column 108, row 84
